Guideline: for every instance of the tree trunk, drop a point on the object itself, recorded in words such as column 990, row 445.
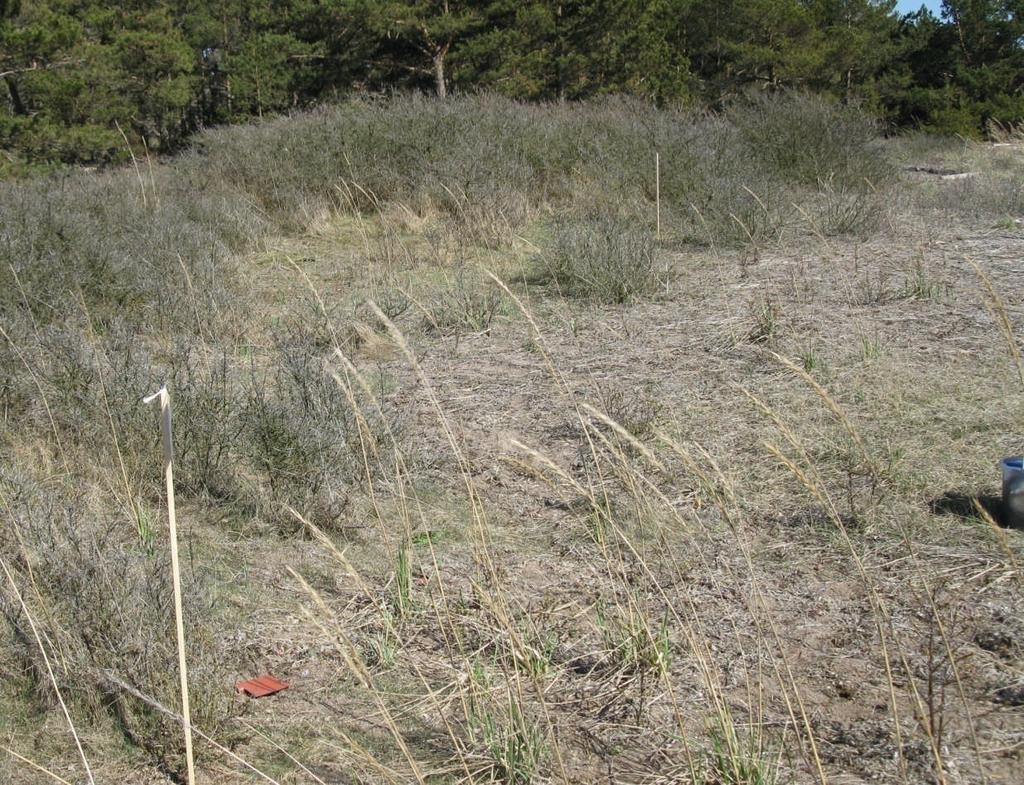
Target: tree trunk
column 439, row 80
column 16, row 103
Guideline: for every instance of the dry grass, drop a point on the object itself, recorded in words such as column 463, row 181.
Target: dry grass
column 719, row 530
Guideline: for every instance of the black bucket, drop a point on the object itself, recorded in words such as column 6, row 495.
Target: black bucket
column 1013, row 491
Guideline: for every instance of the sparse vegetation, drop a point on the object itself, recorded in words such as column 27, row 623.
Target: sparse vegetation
column 507, row 487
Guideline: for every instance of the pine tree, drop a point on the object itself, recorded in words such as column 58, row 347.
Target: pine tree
column 990, row 57
column 418, row 35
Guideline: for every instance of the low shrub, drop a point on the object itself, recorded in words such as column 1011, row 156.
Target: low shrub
column 603, row 258
column 848, row 211
column 464, row 305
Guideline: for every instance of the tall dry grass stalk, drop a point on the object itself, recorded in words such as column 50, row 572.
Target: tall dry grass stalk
column 657, row 194
column 997, row 307
column 135, row 164
column 33, row 765
column 49, row 670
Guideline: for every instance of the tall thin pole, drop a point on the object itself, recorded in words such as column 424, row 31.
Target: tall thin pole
column 657, row 191
column 168, row 448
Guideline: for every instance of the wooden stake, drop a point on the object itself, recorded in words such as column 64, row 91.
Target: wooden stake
column 168, row 447
column 657, row 191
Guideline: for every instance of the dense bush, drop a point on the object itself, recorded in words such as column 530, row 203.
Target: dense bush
column 801, row 139
column 89, row 244
column 490, row 164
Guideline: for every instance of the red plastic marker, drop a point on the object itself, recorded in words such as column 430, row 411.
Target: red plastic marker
column 261, row 687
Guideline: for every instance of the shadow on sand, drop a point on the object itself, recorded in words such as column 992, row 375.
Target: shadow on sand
column 962, row 505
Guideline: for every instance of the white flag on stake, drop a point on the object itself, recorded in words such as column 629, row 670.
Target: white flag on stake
column 168, row 449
